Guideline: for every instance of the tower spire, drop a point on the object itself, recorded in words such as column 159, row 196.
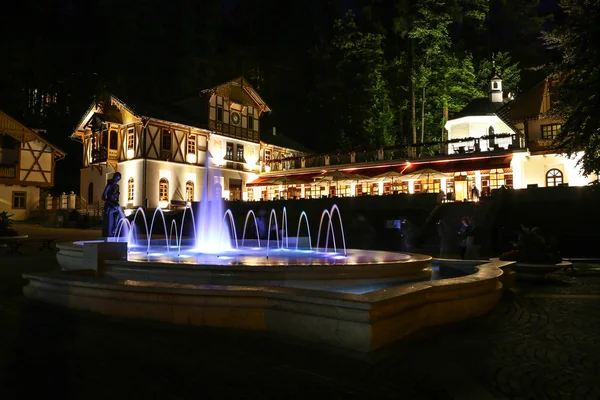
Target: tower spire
column 496, row 95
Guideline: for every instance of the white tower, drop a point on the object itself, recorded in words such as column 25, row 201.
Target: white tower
column 496, row 95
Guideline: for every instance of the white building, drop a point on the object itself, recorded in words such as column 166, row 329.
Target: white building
column 161, row 150
column 27, row 163
column 521, row 126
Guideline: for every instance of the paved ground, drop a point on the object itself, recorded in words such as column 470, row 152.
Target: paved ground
column 541, row 342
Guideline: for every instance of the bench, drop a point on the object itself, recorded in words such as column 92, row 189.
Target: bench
column 14, row 245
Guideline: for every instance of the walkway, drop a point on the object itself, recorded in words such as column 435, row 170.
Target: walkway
column 541, row 342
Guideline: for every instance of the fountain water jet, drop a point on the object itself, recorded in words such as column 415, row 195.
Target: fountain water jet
column 251, row 212
column 158, row 210
column 271, row 219
column 303, row 214
column 329, row 225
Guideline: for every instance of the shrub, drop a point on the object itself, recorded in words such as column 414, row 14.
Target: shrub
column 531, row 247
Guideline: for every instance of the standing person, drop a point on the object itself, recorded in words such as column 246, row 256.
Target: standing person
column 474, row 193
column 464, row 232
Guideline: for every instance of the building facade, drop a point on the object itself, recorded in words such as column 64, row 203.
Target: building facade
column 27, row 164
column 162, row 150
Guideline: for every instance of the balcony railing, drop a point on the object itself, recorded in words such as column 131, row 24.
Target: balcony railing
column 8, row 171
column 491, row 143
column 99, row 155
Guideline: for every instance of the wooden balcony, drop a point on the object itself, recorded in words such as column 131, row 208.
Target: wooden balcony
column 8, row 171
column 99, row 155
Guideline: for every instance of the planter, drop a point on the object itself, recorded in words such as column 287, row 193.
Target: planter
column 537, row 269
column 541, row 269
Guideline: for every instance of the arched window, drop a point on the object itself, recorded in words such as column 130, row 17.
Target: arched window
column 163, row 190
column 90, row 197
column 554, row 177
column 130, row 189
column 189, row 191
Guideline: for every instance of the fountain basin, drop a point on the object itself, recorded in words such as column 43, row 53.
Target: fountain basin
column 249, row 266
column 363, row 322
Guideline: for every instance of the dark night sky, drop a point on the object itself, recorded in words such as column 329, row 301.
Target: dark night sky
column 155, row 49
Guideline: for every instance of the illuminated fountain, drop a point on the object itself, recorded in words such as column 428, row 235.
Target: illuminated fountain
column 222, row 276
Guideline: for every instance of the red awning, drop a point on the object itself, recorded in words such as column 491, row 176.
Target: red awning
column 462, row 165
column 258, row 181
column 264, row 180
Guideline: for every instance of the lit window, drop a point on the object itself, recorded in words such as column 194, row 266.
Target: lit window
column 189, row 191
column 191, row 144
column 130, row 139
column 19, row 200
column 130, row 189
column 114, row 140
column 163, row 190
column 166, row 140
column 554, row 177
column 550, row 131
column 240, row 153
column 229, row 151
column 497, row 178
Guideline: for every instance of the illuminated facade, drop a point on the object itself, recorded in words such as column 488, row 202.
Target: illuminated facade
column 27, row 163
column 162, row 150
column 492, row 143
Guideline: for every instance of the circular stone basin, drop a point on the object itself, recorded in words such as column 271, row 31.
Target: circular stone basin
column 251, row 266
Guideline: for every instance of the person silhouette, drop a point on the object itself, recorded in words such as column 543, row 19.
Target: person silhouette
column 112, row 209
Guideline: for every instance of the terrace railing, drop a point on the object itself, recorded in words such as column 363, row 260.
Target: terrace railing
column 490, row 143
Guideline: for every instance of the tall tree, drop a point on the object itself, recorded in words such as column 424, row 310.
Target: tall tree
column 578, row 81
column 367, row 114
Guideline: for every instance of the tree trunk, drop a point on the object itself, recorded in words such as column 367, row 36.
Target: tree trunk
column 423, row 116
column 413, row 100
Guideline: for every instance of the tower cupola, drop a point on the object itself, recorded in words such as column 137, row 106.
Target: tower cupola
column 496, row 94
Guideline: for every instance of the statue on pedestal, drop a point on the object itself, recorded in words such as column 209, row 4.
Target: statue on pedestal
column 112, row 209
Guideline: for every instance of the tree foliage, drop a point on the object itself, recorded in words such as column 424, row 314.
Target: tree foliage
column 577, row 81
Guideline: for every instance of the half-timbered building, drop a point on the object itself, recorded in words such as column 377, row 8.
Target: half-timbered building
column 27, row 164
column 162, row 150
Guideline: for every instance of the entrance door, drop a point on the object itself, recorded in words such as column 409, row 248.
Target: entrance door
column 235, row 189
column 461, row 190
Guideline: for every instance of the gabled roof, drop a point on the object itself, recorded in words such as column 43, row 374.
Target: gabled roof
column 246, row 87
column 530, row 104
column 10, row 126
column 191, row 110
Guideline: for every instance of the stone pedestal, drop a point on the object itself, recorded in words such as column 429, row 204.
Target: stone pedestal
column 96, row 253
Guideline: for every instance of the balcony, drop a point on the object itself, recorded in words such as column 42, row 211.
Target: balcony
column 456, row 147
column 8, row 171
column 99, row 155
